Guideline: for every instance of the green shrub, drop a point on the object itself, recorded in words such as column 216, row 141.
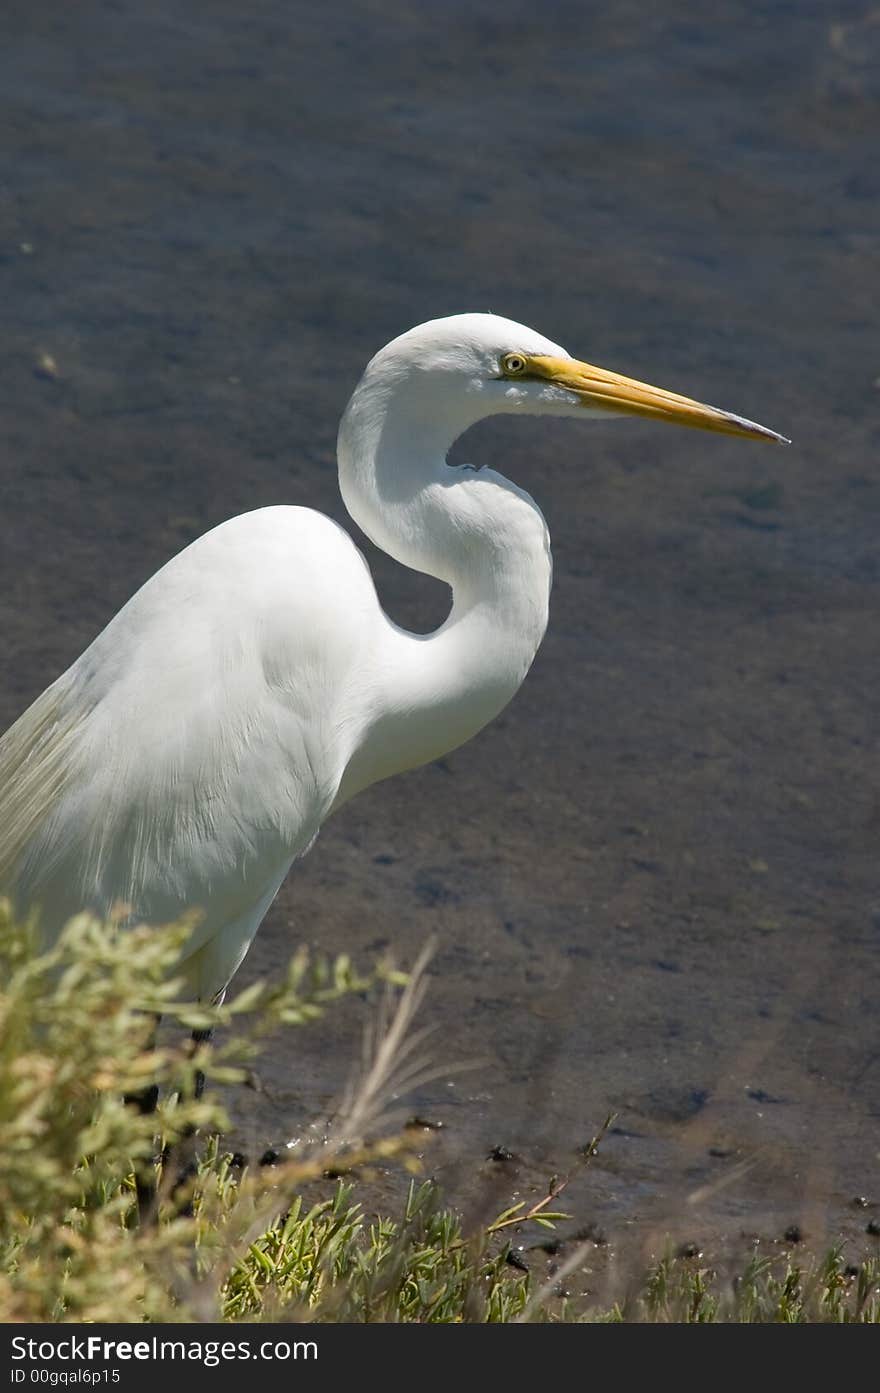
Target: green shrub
column 224, row 1242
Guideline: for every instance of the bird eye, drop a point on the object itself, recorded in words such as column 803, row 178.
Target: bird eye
column 512, row 364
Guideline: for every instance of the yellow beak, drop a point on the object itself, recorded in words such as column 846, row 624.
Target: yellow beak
column 608, row 391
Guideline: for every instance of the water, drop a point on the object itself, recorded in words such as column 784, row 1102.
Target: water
column 653, row 880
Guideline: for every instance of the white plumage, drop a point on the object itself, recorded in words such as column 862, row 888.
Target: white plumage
column 254, row 684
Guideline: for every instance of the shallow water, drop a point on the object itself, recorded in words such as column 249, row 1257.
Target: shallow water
column 653, row 880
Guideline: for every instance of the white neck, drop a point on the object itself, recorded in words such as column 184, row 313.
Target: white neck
column 476, row 531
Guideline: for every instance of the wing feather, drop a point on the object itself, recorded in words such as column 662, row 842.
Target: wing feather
column 35, row 769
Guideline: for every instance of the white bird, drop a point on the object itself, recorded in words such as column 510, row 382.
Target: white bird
column 254, row 684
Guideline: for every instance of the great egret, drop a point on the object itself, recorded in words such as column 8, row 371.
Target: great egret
column 254, row 684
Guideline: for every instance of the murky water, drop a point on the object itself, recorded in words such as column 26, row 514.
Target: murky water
column 653, row 881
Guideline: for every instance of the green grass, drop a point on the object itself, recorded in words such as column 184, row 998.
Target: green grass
column 244, row 1244
column 332, row 1263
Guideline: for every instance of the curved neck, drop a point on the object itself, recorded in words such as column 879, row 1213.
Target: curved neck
column 473, row 529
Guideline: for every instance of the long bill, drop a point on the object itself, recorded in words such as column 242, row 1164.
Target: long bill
column 609, row 391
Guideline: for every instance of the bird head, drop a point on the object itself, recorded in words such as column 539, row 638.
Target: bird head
column 503, row 366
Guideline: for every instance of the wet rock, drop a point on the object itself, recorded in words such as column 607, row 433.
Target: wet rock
column 46, row 367
column 515, row 1259
column 501, row 1154
column 688, row 1250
